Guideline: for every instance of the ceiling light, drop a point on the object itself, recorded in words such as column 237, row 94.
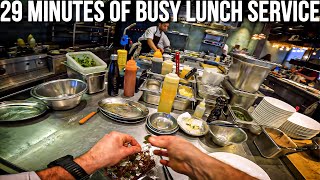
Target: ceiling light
column 314, row 53
column 290, row 28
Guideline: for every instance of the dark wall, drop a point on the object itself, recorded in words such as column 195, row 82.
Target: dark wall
column 10, row 32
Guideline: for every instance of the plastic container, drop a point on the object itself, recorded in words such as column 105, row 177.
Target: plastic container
column 113, row 76
column 122, row 58
column 101, row 65
column 200, row 109
column 167, row 67
column 185, row 71
column 157, row 61
column 212, row 77
column 130, row 78
column 168, row 93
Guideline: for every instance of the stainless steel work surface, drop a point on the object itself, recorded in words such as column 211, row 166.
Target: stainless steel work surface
column 31, row 145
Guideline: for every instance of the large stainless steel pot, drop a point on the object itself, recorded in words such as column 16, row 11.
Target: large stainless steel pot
column 247, row 76
column 60, row 94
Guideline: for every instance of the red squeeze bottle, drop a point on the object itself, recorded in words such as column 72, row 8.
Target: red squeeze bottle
column 178, row 63
column 130, row 78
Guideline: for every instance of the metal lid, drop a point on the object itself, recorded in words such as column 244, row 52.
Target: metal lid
column 114, row 57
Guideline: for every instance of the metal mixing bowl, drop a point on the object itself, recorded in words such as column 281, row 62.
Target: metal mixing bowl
column 60, row 94
column 224, row 136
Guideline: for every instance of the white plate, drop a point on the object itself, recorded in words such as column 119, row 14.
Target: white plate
column 204, row 128
column 242, row 164
column 279, row 104
column 304, row 121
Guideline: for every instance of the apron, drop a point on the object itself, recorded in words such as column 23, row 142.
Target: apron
column 145, row 47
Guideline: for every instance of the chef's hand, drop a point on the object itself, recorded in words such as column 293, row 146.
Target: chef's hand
column 180, row 152
column 189, row 160
column 110, row 150
column 161, row 50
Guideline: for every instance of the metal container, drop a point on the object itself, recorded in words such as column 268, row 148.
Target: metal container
column 232, row 113
column 163, row 122
column 60, row 94
column 154, row 98
column 224, row 136
column 19, row 110
column 268, row 147
column 96, row 81
column 241, row 98
column 247, row 76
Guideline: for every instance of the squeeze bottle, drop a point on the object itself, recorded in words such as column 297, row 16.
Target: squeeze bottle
column 168, row 93
column 167, row 67
column 200, row 109
column 130, row 78
column 157, row 61
column 122, row 58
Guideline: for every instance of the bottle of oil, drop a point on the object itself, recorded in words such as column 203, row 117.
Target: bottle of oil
column 113, row 76
column 168, row 93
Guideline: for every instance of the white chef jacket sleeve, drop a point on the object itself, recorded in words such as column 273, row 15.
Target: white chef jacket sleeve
column 149, row 33
column 164, row 42
column 21, row 176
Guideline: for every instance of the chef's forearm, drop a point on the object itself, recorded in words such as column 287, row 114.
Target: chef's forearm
column 85, row 161
column 207, row 168
column 151, row 44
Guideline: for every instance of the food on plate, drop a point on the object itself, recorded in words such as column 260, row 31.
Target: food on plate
column 186, row 91
column 194, row 126
column 84, row 60
column 132, row 167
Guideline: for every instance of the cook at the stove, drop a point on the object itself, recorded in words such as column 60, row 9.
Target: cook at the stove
column 155, row 38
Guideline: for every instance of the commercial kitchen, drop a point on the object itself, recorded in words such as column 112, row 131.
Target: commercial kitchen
column 246, row 93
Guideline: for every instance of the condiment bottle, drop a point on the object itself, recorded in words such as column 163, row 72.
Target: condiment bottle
column 122, row 58
column 157, row 61
column 113, row 76
column 185, row 71
column 200, row 109
column 168, row 93
column 166, row 67
column 130, row 78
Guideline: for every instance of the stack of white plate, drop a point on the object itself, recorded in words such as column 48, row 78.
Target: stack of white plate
column 272, row 112
column 300, row 126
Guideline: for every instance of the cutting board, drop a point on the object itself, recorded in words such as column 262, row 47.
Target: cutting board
column 308, row 167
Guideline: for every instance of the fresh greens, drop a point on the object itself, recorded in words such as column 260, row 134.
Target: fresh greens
column 84, row 60
column 240, row 115
column 146, row 139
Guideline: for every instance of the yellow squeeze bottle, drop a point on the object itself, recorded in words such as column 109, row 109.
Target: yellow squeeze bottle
column 185, row 71
column 122, row 59
column 157, row 54
column 168, row 93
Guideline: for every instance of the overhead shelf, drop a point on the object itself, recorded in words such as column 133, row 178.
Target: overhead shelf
column 214, row 26
column 177, row 33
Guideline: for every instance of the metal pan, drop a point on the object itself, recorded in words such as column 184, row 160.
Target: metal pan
column 21, row 110
column 122, row 120
column 123, row 108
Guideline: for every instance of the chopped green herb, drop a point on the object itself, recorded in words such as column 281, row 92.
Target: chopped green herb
column 146, row 139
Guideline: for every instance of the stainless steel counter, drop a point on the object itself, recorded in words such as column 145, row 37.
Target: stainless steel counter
column 31, row 145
